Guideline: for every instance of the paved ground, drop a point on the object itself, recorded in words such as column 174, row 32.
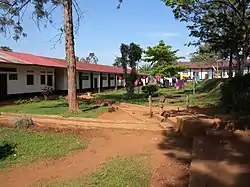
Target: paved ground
column 103, row 145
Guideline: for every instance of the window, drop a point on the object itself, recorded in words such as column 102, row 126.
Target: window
column 2, row 69
column 85, row 77
column 30, row 79
column 49, row 80
column 13, row 76
column 112, row 78
column 104, row 77
column 42, row 79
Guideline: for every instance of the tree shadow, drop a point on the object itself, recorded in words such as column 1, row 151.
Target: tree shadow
column 135, row 98
column 6, row 149
column 218, row 160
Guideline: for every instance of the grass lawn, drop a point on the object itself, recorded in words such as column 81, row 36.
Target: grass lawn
column 120, row 95
column 119, row 172
column 21, row 147
column 174, row 97
column 55, row 107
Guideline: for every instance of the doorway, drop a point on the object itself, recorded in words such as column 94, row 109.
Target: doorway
column 3, row 86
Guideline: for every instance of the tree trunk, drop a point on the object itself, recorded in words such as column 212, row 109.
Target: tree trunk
column 231, row 65
column 70, row 56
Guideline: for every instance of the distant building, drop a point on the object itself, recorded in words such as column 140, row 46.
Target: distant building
column 209, row 71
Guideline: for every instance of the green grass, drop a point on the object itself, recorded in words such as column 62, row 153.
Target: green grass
column 55, row 107
column 22, row 147
column 120, row 95
column 119, row 172
column 204, row 96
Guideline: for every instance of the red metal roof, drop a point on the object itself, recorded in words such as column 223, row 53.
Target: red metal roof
column 30, row 59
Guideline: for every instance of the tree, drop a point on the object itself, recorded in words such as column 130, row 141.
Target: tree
column 6, row 48
column 130, row 55
column 145, row 68
column 11, row 20
column 168, row 70
column 92, row 59
column 160, row 54
column 204, row 54
column 224, row 24
column 117, row 62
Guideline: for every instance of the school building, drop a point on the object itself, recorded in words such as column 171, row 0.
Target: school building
column 25, row 74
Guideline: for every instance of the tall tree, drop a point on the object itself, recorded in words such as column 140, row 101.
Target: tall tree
column 117, row 62
column 145, row 68
column 224, row 24
column 6, row 48
column 204, row 54
column 160, row 54
column 130, row 55
column 11, row 18
column 70, row 55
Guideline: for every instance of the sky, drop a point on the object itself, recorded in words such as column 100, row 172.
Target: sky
column 104, row 28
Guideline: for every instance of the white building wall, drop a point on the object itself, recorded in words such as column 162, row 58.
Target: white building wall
column 105, row 81
column 77, row 80
column 60, row 79
column 86, row 83
column 112, row 80
column 20, row 86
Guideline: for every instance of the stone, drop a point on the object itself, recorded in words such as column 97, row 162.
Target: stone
column 193, row 126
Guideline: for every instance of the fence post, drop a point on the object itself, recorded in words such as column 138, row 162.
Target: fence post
column 187, row 101
column 150, row 106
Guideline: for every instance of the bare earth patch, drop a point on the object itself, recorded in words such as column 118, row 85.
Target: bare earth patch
column 104, row 145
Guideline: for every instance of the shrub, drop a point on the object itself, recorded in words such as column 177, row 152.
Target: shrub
column 23, row 122
column 235, row 94
column 20, row 101
column 47, row 91
column 61, row 98
column 150, row 89
column 35, row 99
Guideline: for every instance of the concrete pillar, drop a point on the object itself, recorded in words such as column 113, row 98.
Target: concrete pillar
column 116, row 81
column 91, row 80
column 99, row 83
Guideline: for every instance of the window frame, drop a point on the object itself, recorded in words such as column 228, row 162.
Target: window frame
column 48, row 80
column 13, row 74
column 33, row 80
column 41, row 79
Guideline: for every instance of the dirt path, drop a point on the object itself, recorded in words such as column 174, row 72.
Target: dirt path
column 221, row 161
column 103, row 145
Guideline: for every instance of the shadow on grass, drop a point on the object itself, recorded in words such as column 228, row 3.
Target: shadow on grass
column 223, row 161
column 135, row 98
column 89, row 109
column 6, row 149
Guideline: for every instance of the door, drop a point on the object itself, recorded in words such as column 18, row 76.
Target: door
column 3, row 86
column 95, row 83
